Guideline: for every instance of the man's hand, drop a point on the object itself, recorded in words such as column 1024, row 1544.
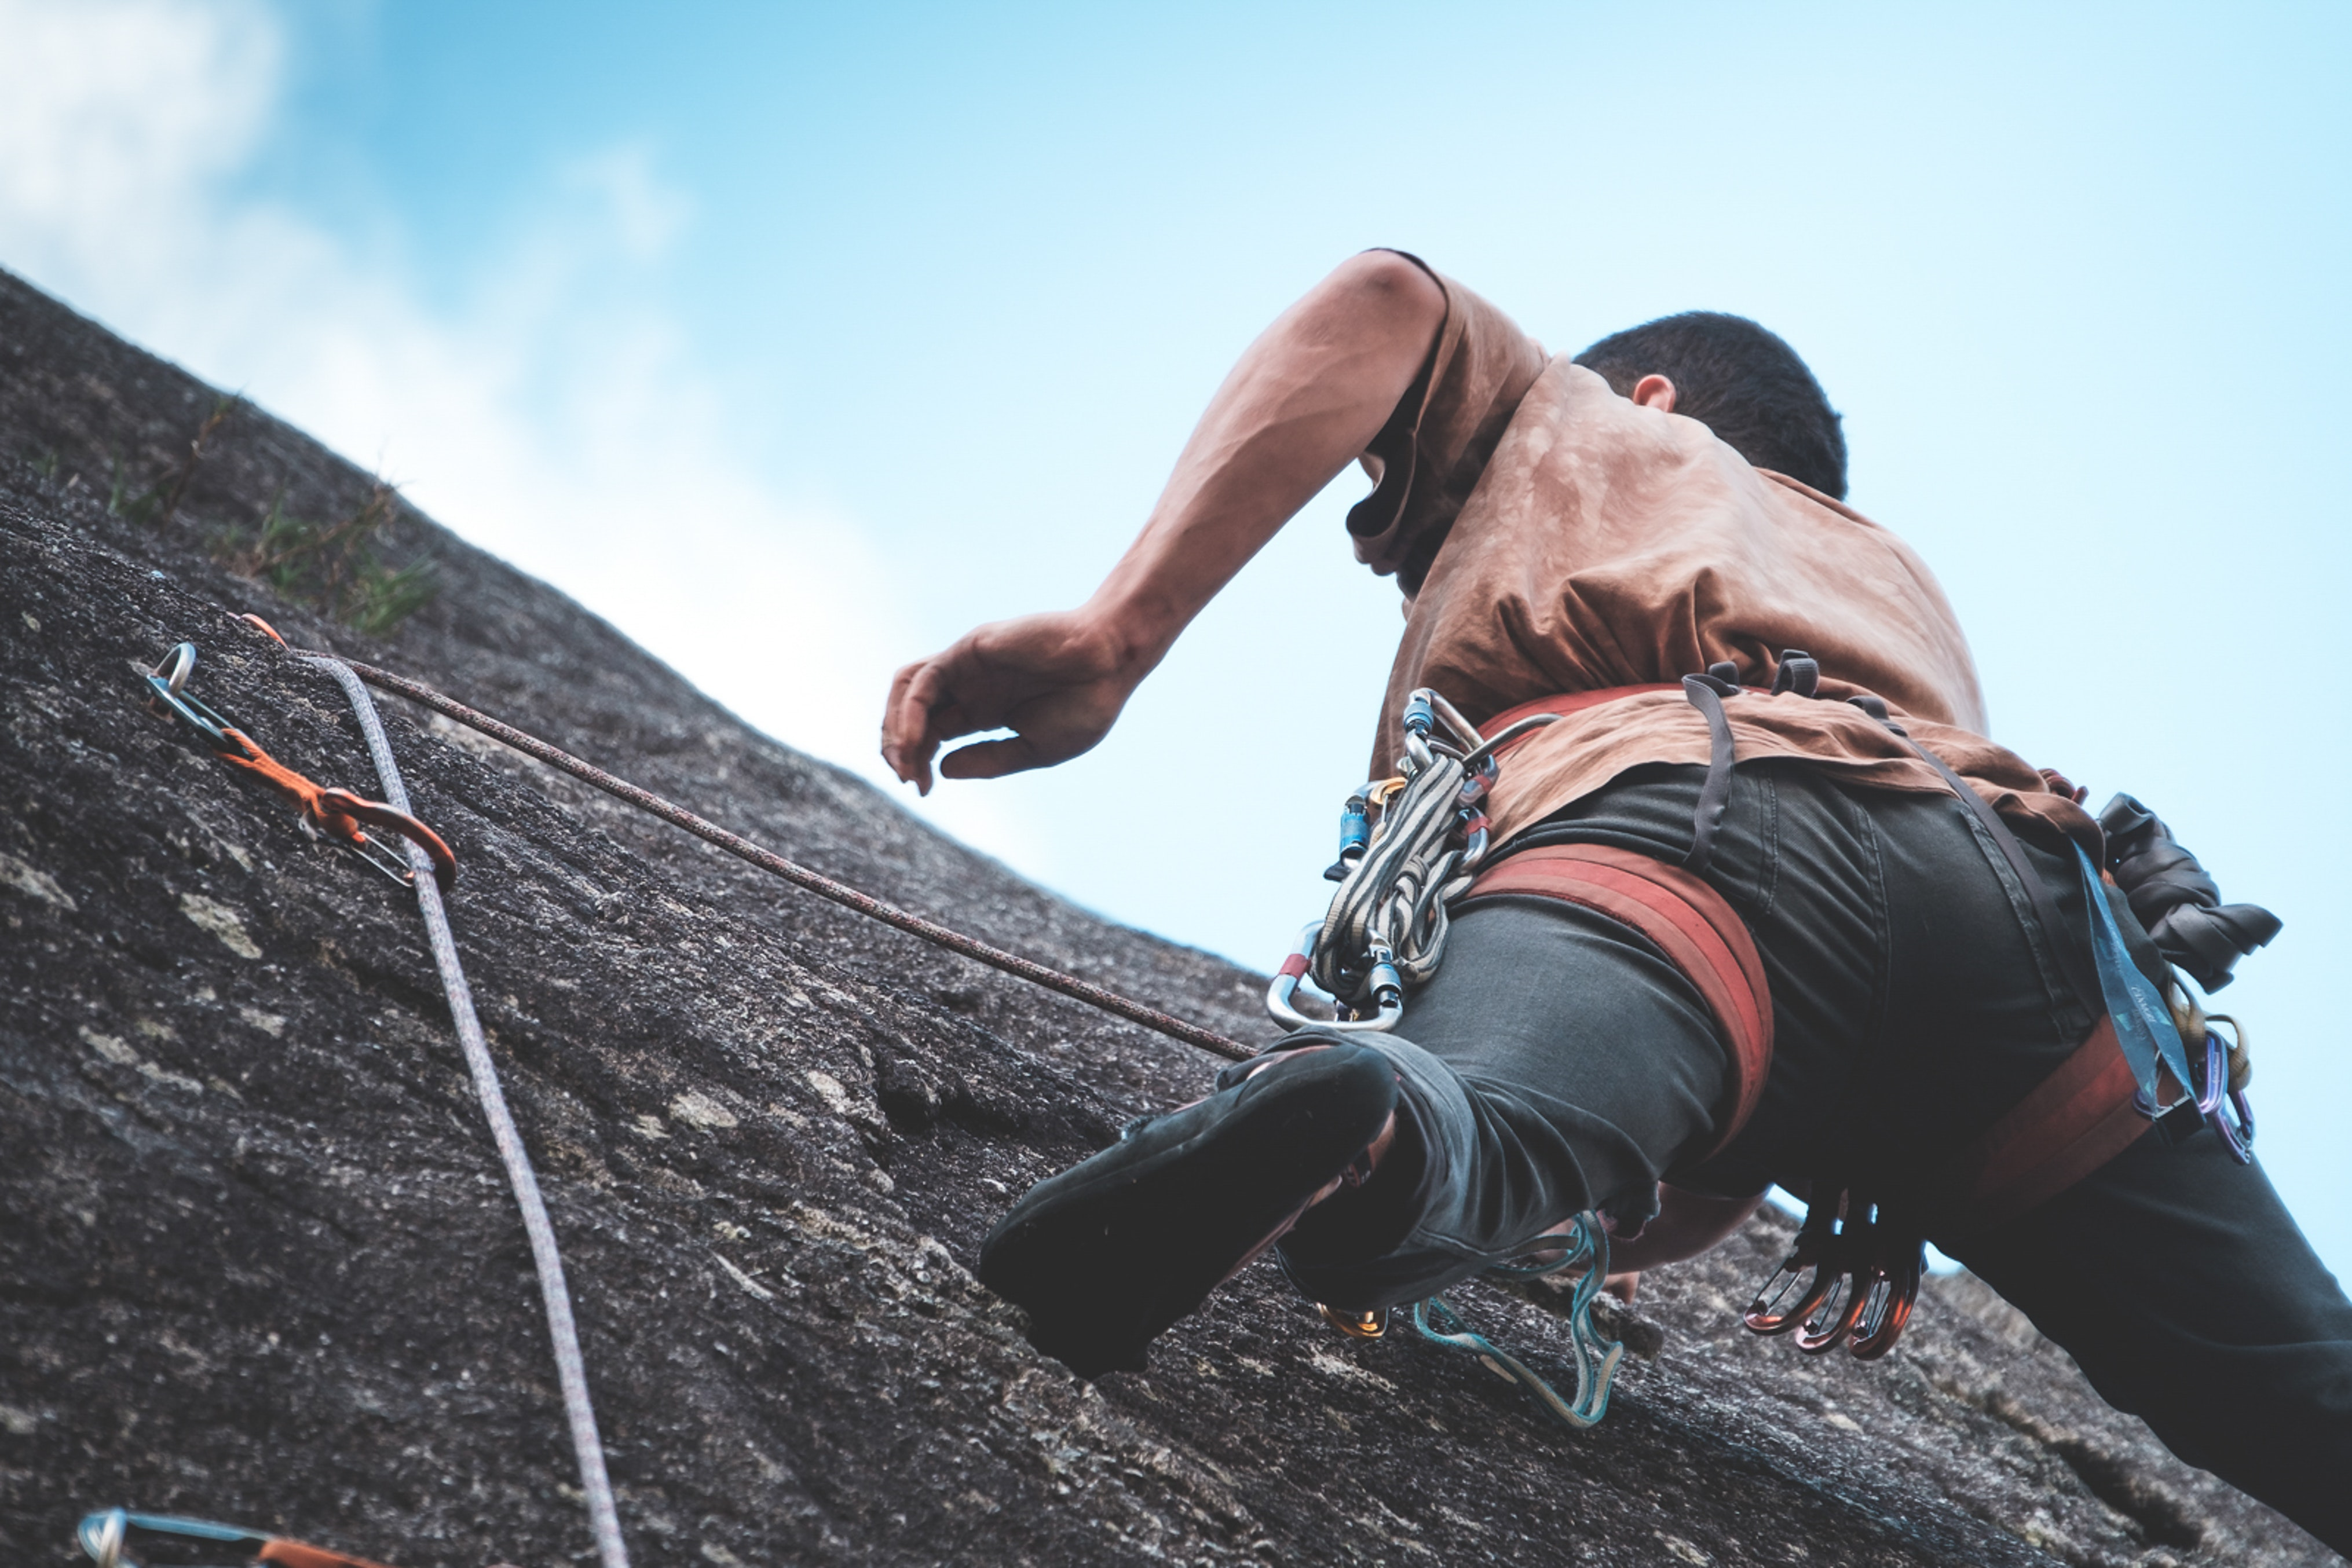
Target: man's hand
column 1056, row 681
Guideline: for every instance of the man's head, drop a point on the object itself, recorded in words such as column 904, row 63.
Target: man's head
column 1738, row 380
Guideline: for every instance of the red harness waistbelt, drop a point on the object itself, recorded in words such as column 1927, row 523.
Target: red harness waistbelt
column 2074, row 1122
column 1686, row 920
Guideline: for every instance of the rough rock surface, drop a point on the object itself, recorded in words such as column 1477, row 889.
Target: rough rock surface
column 257, row 1261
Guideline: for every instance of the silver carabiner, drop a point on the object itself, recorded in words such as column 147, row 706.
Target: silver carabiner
column 1387, row 988
column 180, row 663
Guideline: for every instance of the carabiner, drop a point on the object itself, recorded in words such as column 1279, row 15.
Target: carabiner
column 2225, row 1109
column 1355, row 834
column 376, row 814
column 1829, row 1323
column 168, row 681
column 1356, row 1325
column 1887, row 1303
column 1386, row 985
column 1853, row 1253
column 181, row 662
column 1770, row 1311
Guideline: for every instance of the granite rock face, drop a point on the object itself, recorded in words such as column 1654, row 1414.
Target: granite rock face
column 259, row 1262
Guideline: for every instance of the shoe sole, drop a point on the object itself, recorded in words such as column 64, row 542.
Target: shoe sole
column 1106, row 1255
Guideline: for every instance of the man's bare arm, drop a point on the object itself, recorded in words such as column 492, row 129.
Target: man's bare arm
column 1305, row 399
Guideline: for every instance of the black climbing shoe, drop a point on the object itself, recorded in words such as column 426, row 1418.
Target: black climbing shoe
column 1108, row 1254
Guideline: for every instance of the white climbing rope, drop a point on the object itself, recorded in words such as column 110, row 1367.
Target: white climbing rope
column 570, row 1370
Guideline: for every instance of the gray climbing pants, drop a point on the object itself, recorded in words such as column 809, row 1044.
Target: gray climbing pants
column 1556, row 1062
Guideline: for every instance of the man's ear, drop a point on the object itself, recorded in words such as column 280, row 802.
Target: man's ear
column 1656, row 392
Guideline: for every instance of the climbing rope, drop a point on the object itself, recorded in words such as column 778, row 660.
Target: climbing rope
column 429, row 864
column 570, row 1370
column 801, row 876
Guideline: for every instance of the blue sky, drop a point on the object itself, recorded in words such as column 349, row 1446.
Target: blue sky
column 795, row 339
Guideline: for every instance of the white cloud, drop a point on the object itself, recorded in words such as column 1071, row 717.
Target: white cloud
column 555, row 416
column 116, row 114
column 646, row 215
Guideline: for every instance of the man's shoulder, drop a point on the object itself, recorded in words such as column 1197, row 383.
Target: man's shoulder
column 1817, row 497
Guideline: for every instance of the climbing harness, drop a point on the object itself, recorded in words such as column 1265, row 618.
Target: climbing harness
column 1852, row 1276
column 1700, row 934
column 338, row 815
column 106, row 1535
column 428, row 860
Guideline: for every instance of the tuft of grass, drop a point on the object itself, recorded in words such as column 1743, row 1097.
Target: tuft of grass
column 160, row 502
column 332, row 567
column 120, row 502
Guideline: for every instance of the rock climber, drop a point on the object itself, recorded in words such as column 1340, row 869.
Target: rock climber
column 1668, row 502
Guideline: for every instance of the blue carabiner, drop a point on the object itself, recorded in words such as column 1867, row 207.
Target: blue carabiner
column 1355, row 834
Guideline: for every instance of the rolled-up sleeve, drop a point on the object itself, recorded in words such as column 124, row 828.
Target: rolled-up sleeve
column 1445, row 427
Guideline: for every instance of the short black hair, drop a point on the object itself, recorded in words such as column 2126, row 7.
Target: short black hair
column 1740, row 381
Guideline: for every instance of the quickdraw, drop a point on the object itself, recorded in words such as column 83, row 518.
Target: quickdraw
column 106, row 1535
column 338, row 815
column 1584, row 1244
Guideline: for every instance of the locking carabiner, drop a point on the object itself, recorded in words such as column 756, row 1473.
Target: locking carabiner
column 1385, row 985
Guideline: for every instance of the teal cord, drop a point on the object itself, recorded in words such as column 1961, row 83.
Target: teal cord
column 1596, row 1355
column 2144, row 1024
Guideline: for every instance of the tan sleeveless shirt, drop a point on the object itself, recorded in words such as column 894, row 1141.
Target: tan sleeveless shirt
column 1590, row 542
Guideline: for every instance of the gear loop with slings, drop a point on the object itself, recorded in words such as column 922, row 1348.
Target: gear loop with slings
column 1386, row 929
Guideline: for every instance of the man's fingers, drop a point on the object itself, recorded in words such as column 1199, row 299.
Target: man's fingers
column 920, row 715
column 995, row 759
column 907, row 742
